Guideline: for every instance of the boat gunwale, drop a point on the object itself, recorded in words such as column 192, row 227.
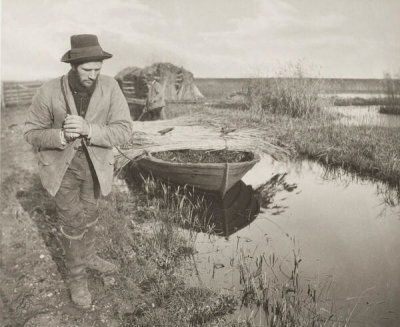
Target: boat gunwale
column 202, row 165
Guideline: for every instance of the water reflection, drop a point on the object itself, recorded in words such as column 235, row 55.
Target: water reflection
column 347, row 229
column 390, row 196
column 268, row 190
column 221, row 216
column 333, row 218
column 239, row 207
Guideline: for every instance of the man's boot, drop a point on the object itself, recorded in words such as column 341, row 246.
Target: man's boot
column 93, row 261
column 76, row 272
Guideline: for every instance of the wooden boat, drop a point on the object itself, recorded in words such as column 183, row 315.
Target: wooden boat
column 213, row 177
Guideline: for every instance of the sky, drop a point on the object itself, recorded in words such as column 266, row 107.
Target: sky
column 211, row 38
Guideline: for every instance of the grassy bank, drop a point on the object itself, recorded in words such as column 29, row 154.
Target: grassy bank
column 370, row 151
column 292, row 115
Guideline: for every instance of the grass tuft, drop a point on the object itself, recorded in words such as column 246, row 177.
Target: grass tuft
column 295, row 97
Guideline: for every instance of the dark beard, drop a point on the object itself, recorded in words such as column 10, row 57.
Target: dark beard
column 76, row 84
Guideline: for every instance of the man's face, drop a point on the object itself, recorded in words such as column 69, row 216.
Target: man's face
column 88, row 72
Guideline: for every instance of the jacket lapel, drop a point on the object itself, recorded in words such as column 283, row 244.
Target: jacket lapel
column 94, row 101
column 69, row 96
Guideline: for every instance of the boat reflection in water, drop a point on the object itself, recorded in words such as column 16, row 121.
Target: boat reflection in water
column 222, row 216
column 236, row 210
column 241, row 204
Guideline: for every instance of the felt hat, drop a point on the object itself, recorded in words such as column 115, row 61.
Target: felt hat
column 85, row 48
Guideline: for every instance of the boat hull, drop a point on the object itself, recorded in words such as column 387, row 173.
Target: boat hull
column 213, row 177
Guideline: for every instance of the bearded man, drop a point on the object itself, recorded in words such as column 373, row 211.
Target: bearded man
column 74, row 122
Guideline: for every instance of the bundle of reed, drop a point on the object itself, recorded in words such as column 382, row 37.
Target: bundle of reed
column 185, row 133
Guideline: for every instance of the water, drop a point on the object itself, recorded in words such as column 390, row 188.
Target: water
column 354, row 95
column 366, row 115
column 347, row 234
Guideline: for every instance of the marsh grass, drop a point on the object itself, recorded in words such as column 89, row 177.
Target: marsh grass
column 177, row 205
column 275, row 286
column 369, row 151
column 296, row 96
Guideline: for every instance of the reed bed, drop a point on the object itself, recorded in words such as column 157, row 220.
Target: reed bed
column 297, row 96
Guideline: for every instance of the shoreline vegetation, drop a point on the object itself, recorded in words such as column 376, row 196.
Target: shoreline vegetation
column 151, row 230
column 291, row 116
column 294, row 117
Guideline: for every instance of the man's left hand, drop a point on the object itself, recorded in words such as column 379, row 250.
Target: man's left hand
column 76, row 124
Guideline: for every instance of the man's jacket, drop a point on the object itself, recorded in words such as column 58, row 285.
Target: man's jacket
column 155, row 96
column 109, row 117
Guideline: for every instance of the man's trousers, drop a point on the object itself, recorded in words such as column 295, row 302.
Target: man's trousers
column 77, row 198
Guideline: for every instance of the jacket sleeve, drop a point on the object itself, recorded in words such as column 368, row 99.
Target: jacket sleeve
column 38, row 129
column 118, row 129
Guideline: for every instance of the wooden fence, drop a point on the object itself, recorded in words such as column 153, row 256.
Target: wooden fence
column 18, row 93
column 128, row 88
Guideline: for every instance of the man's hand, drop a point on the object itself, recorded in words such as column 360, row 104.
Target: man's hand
column 76, row 125
column 70, row 136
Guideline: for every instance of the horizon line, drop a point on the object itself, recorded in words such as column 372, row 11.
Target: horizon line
column 231, row 78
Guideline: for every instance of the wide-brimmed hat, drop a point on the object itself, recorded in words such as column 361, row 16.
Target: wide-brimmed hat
column 85, row 48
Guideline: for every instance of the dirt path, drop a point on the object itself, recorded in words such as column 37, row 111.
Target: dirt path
column 33, row 292
column 30, row 279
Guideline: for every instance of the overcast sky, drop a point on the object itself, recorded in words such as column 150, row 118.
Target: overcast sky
column 211, row 38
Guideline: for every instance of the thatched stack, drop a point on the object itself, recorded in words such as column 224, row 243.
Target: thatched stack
column 178, row 83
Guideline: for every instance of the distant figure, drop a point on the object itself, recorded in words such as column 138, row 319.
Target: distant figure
column 155, row 101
